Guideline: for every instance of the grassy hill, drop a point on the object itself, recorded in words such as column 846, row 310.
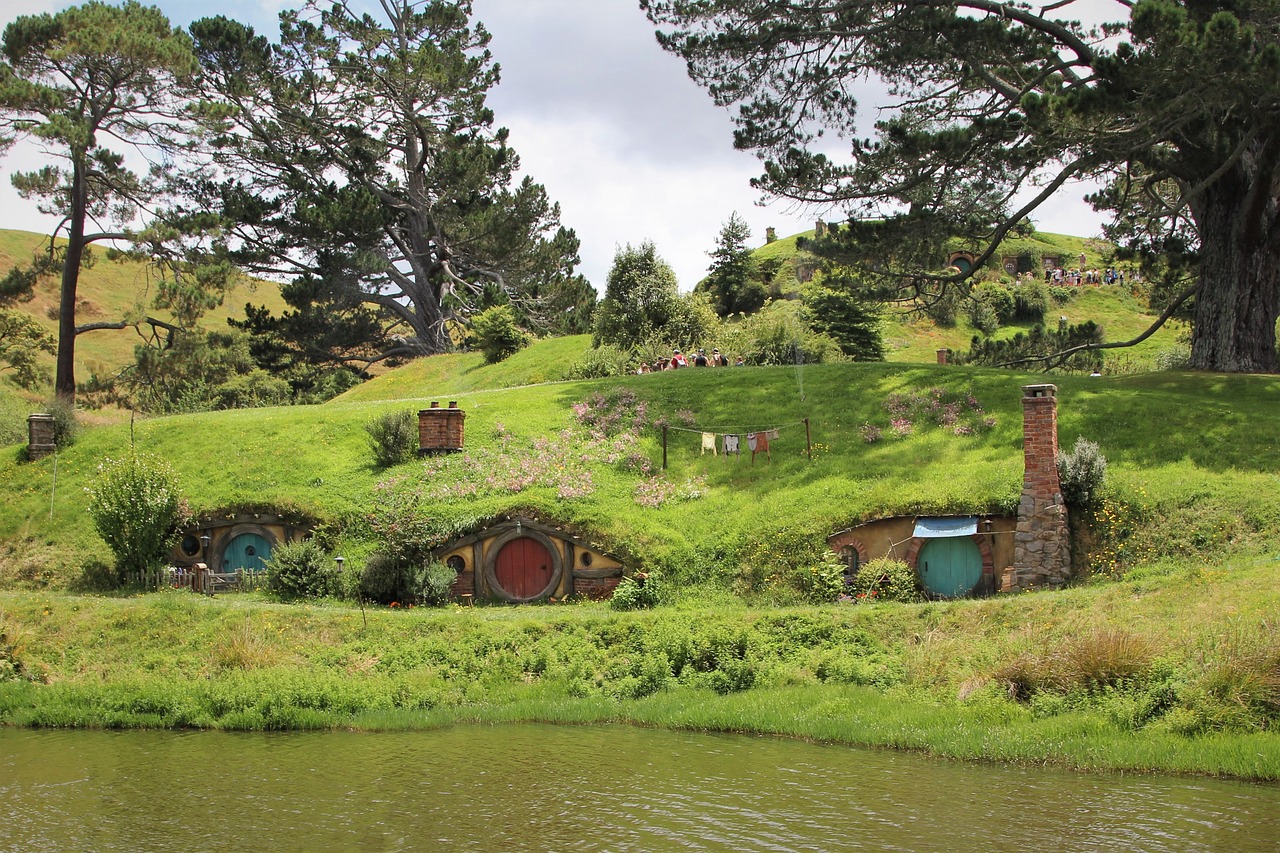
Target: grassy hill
column 1194, row 458
column 1192, row 513
column 109, row 291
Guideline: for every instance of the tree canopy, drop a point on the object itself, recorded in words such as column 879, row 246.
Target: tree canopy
column 994, row 107
column 357, row 158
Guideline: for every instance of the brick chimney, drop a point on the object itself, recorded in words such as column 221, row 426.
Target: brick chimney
column 942, row 355
column 40, row 432
column 1041, row 554
column 440, row 430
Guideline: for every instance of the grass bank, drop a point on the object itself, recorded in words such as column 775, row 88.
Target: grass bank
column 1175, row 669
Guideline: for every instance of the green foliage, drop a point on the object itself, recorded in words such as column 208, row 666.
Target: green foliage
column 302, row 569
column 22, row 340
column 495, row 333
column 635, row 594
column 137, row 509
column 1082, row 473
column 66, row 423
column 885, row 579
column 1030, row 301
column 435, row 583
column 640, row 298
column 732, row 282
column 1039, row 346
column 778, row 334
column 849, row 320
column 393, row 437
column 601, row 362
column 790, row 563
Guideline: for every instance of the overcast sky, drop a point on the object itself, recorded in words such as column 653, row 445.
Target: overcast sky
column 599, row 114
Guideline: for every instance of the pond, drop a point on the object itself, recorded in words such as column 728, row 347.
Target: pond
column 533, row 787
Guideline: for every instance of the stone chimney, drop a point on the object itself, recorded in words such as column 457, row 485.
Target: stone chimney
column 40, row 432
column 440, row 430
column 1041, row 553
column 770, row 234
column 819, row 229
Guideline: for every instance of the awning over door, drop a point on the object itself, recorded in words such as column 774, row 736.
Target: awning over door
column 941, row 528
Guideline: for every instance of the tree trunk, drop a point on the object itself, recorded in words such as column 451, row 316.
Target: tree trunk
column 64, row 385
column 1234, row 329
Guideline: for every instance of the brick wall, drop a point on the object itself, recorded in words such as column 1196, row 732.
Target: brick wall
column 595, row 588
column 39, row 436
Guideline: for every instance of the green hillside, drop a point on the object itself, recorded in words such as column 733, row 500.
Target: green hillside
column 1185, row 450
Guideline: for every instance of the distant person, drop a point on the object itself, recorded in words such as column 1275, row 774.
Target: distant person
column 700, row 360
column 1096, row 372
column 677, row 359
column 718, row 359
column 739, row 362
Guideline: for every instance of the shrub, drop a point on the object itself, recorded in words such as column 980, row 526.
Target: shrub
column 384, row 580
column 302, row 570
column 65, row 424
column 494, row 332
column 434, row 583
column 601, row 362
column 635, row 593
column 1082, row 474
column 886, row 579
column 137, row 509
column 982, row 316
column 999, row 298
column 1031, row 300
column 393, row 437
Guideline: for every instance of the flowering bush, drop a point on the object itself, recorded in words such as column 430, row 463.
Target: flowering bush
column 656, row 491
column 885, row 579
column 138, row 510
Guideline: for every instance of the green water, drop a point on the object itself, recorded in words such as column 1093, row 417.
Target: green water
column 582, row 788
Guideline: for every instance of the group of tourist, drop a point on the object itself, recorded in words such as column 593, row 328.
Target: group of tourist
column 700, row 359
column 1057, row 275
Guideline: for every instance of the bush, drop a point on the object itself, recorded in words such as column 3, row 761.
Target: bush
column 999, row 298
column 434, row 584
column 1031, row 301
column 302, row 570
column 886, row 579
column 1081, row 474
column 982, row 317
column 494, row 332
column 393, row 437
column 601, row 362
column 65, row 424
column 384, row 580
column 137, row 510
column 635, row 593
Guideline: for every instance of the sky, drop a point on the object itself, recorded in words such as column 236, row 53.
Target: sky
column 601, row 116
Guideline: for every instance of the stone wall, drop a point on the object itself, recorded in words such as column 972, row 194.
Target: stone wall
column 40, row 433
column 1041, row 553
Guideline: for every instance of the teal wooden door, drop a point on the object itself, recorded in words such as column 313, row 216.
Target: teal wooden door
column 950, row 566
column 248, row 551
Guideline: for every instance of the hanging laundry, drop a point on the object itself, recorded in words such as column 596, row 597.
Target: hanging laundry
column 760, row 445
column 731, row 445
column 751, row 442
column 708, row 443
column 772, row 434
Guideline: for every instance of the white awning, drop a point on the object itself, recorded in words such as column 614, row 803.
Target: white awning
column 943, row 528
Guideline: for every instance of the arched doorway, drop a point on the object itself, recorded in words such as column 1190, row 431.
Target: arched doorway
column 950, row 566
column 524, row 569
column 248, row 552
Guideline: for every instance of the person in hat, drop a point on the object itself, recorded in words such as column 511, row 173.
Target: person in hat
column 700, row 360
column 677, row 359
column 718, row 360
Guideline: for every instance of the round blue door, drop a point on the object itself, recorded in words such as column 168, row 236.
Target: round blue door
column 248, row 551
column 950, row 567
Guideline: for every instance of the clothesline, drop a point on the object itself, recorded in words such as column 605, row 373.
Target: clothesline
column 738, row 430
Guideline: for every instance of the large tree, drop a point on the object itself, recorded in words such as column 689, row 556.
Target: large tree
column 641, row 298
column 357, row 155
column 90, row 85
column 995, row 106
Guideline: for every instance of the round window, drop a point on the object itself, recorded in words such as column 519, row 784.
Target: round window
column 586, row 558
column 456, row 563
column 190, row 545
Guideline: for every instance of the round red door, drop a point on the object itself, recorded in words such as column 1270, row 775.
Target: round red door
column 523, row 568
